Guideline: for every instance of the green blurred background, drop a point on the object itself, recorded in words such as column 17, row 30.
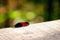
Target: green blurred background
column 33, row 11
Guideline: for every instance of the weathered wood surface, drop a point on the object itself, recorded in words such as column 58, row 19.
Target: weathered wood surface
column 40, row 31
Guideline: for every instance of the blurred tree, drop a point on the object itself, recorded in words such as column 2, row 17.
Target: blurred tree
column 55, row 14
column 59, row 8
column 49, row 10
column 3, row 2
